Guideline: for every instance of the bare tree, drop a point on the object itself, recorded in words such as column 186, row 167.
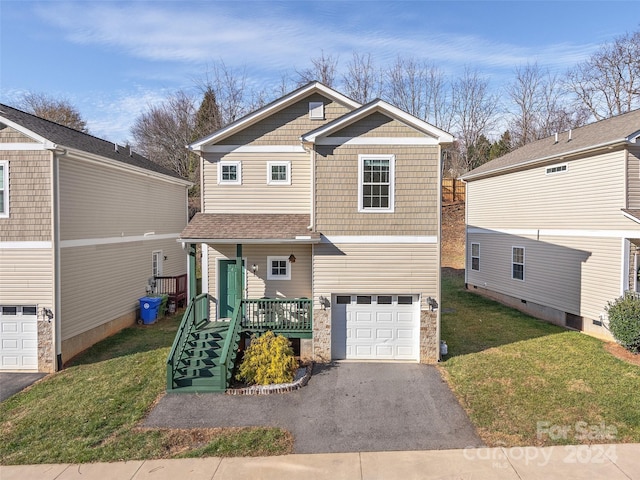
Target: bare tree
column 419, row 89
column 233, row 96
column 162, row 132
column 526, row 94
column 56, row 110
column 475, row 110
column 608, row 83
column 323, row 69
column 363, row 81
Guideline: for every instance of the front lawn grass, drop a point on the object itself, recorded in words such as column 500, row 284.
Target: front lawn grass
column 89, row 411
column 526, row 382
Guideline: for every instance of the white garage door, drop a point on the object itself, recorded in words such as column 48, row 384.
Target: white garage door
column 18, row 338
column 375, row 327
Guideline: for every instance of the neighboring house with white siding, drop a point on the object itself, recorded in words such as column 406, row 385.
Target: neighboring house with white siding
column 335, row 202
column 553, row 228
column 84, row 224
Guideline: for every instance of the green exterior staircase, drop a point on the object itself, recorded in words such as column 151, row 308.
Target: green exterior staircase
column 203, row 354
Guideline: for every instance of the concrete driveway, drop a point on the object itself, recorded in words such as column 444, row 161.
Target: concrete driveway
column 12, row 383
column 346, row 407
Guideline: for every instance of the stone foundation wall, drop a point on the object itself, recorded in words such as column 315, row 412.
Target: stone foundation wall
column 46, row 357
column 73, row 346
column 322, row 335
column 429, row 344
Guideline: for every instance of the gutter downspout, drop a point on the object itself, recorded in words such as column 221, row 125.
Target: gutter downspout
column 57, row 282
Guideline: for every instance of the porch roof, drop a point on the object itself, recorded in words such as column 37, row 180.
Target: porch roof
column 249, row 228
column 632, row 214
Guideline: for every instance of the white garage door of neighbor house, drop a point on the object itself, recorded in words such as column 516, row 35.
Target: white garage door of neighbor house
column 375, row 327
column 19, row 338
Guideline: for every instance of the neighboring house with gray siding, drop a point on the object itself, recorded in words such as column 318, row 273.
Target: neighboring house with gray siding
column 324, row 199
column 553, row 228
column 84, row 223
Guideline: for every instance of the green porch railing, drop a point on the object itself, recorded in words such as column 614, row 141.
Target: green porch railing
column 230, row 347
column 193, row 318
column 287, row 316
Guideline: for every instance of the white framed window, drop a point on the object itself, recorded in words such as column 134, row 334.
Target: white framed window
column 156, row 263
column 279, row 268
column 556, row 169
column 230, row 173
column 278, row 173
column 316, row 110
column 4, row 189
column 475, row 256
column 375, row 183
column 517, row 263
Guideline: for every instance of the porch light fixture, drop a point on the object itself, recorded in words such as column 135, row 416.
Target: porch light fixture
column 254, row 268
column 292, row 258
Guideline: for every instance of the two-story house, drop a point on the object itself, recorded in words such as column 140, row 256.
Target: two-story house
column 553, row 228
column 84, row 224
column 321, row 220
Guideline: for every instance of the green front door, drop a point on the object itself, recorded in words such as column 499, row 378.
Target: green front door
column 228, row 293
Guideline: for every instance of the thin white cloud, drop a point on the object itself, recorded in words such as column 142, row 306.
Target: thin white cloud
column 271, row 40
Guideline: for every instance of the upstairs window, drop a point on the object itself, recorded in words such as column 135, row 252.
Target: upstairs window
column 229, row 173
column 517, row 263
column 475, row 256
column 4, row 189
column 316, row 110
column 375, row 185
column 279, row 173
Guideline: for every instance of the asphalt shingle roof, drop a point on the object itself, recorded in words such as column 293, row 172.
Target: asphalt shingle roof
column 68, row 137
column 249, row 226
column 598, row 133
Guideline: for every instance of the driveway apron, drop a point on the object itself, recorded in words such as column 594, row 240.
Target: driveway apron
column 14, row 382
column 346, row 407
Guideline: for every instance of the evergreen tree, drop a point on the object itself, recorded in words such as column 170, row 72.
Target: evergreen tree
column 502, row 146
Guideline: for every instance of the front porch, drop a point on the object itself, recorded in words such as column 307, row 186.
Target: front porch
column 204, row 352
column 256, row 277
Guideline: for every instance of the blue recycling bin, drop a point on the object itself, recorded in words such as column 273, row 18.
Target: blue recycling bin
column 149, row 309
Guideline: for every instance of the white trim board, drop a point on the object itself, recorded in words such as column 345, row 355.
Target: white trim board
column 21, row 146
column 374, row 239
column 25, row 245
column 87, row 242
column 253, row 149
column 377, row 141
column 547, row 232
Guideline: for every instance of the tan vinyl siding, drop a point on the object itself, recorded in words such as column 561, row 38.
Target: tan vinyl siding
column 10, row 135
column 257, row 285
column 26, row 277
column 578, row 275
column 589, row 195
column 29, row 197
column 376, row 268
column 100, row 202
column 416, row 191
column 378, row 125
column 286, row 126
column 633, row 177
column 104, row 282
column 254, row 195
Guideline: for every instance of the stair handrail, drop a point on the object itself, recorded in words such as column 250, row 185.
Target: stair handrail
column 227, row 356
column 194, row 316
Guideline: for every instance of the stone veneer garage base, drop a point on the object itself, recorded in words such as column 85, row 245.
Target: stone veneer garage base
column 74, row 345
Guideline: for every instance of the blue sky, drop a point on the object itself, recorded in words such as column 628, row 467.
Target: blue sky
column 113, row 59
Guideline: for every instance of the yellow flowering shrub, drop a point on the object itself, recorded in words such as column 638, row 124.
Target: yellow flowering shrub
column 269, row 359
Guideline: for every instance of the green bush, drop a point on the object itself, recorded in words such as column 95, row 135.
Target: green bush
column 269, row 359
column 624, row 321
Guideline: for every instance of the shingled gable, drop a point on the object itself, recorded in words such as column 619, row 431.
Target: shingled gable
column 620, row 130
column 53, row 135
column 270, row 109
column 434, row 135
column 249, row 228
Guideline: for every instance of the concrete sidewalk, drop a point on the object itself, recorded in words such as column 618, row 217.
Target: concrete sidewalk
column 607, row 462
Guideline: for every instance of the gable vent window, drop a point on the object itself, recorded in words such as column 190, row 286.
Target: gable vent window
column 556, row 169
column 316, row 110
